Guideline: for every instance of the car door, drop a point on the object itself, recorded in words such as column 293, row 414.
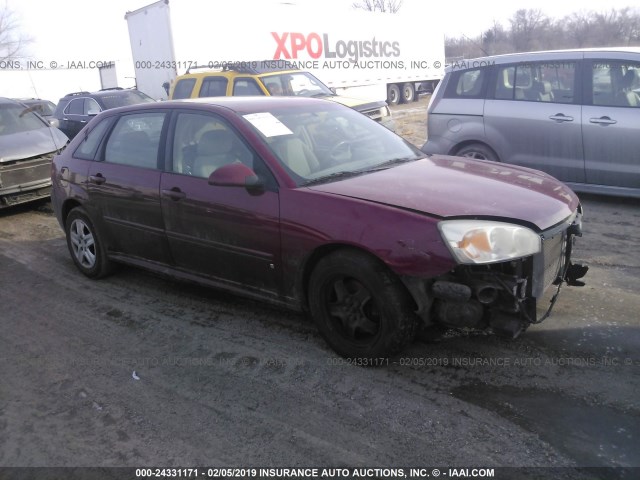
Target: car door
column 123, row 186
column 611, row 120
column 73, row 117
column 229, row 234
column 534, row 117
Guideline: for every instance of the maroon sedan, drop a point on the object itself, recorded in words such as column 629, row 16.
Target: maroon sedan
column 312, row 205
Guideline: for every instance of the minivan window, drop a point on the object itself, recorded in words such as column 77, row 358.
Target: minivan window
column 536, row 82
column 467, row 84
column 616, row 84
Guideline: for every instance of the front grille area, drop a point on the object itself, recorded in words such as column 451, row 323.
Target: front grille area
column 21, row 175
column 375, row 114
column 548, row 264
column 553, row 257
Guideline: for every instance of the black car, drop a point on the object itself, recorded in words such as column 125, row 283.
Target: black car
column 74, row 110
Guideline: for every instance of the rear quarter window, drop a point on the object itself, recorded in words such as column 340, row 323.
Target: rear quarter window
column 467, row 84
column 87, row 149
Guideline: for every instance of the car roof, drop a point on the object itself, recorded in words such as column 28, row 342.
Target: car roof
column 6, row 100
column 242, row 104
column 101, row 93
column 523, row 56
column 253, row 67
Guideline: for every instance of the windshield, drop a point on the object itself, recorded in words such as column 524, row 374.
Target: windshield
column 122, row 99
column 15, row 118
column 326, row 142
column 296, row 84
column 43, row 107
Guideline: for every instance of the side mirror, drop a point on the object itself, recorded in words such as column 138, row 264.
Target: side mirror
column 235, row 175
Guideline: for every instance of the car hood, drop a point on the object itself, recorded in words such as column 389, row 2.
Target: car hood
column 445, row 187
column 33, row 143
column 356, row 103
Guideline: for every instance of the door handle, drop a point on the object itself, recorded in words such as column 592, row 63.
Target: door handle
column 174, row 194
column 98, row 179
column 561, row 117
column 603, row 121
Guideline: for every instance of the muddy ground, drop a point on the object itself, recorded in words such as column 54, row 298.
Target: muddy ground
column 221, row 381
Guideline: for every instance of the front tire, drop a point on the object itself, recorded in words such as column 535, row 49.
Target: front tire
column 85, row 245
column 360, row 307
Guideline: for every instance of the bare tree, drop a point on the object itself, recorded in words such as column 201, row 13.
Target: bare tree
column 12, row 41
column 391, row 6
column 495, row 40
column 532, row 30
column 528, row 27
column 578, row 28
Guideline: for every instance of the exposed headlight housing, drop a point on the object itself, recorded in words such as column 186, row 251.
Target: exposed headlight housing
column 481, row 241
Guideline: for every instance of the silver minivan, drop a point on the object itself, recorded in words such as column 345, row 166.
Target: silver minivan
column 574, row 114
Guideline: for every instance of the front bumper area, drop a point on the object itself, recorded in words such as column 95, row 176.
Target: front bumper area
column 505, row 297
column 25, row 180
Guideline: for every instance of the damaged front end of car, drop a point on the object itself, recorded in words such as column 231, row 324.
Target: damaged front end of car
column 504, row 276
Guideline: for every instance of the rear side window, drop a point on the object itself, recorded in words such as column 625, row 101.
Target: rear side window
column 87, row 149
column 91, row 107
column 183, row 88
column 467, row 84
column 135, row 140
column 213, row 87
column 75, row 107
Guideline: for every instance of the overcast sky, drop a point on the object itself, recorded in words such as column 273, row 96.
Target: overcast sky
column 78, row 29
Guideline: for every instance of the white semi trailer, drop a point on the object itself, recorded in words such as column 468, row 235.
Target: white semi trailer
column 362, row 54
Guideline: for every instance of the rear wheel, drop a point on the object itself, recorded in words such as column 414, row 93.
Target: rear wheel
column 360, row 307
column 478, row 151
column 393, row 94
column 85, row 245
column 408, row 93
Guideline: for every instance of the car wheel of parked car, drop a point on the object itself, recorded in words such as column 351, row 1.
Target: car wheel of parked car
column 360, row 307
column 408, row 93
column 393, row 94
column 85, row 245
column 478, row 151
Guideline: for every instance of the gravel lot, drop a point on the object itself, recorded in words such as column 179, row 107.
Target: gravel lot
column 136, row 370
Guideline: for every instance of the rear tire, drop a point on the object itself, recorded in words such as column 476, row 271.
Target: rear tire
column 408, row 93
column 393, row 94
column 85, row 245
column 478, row 151
column 360, row 307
